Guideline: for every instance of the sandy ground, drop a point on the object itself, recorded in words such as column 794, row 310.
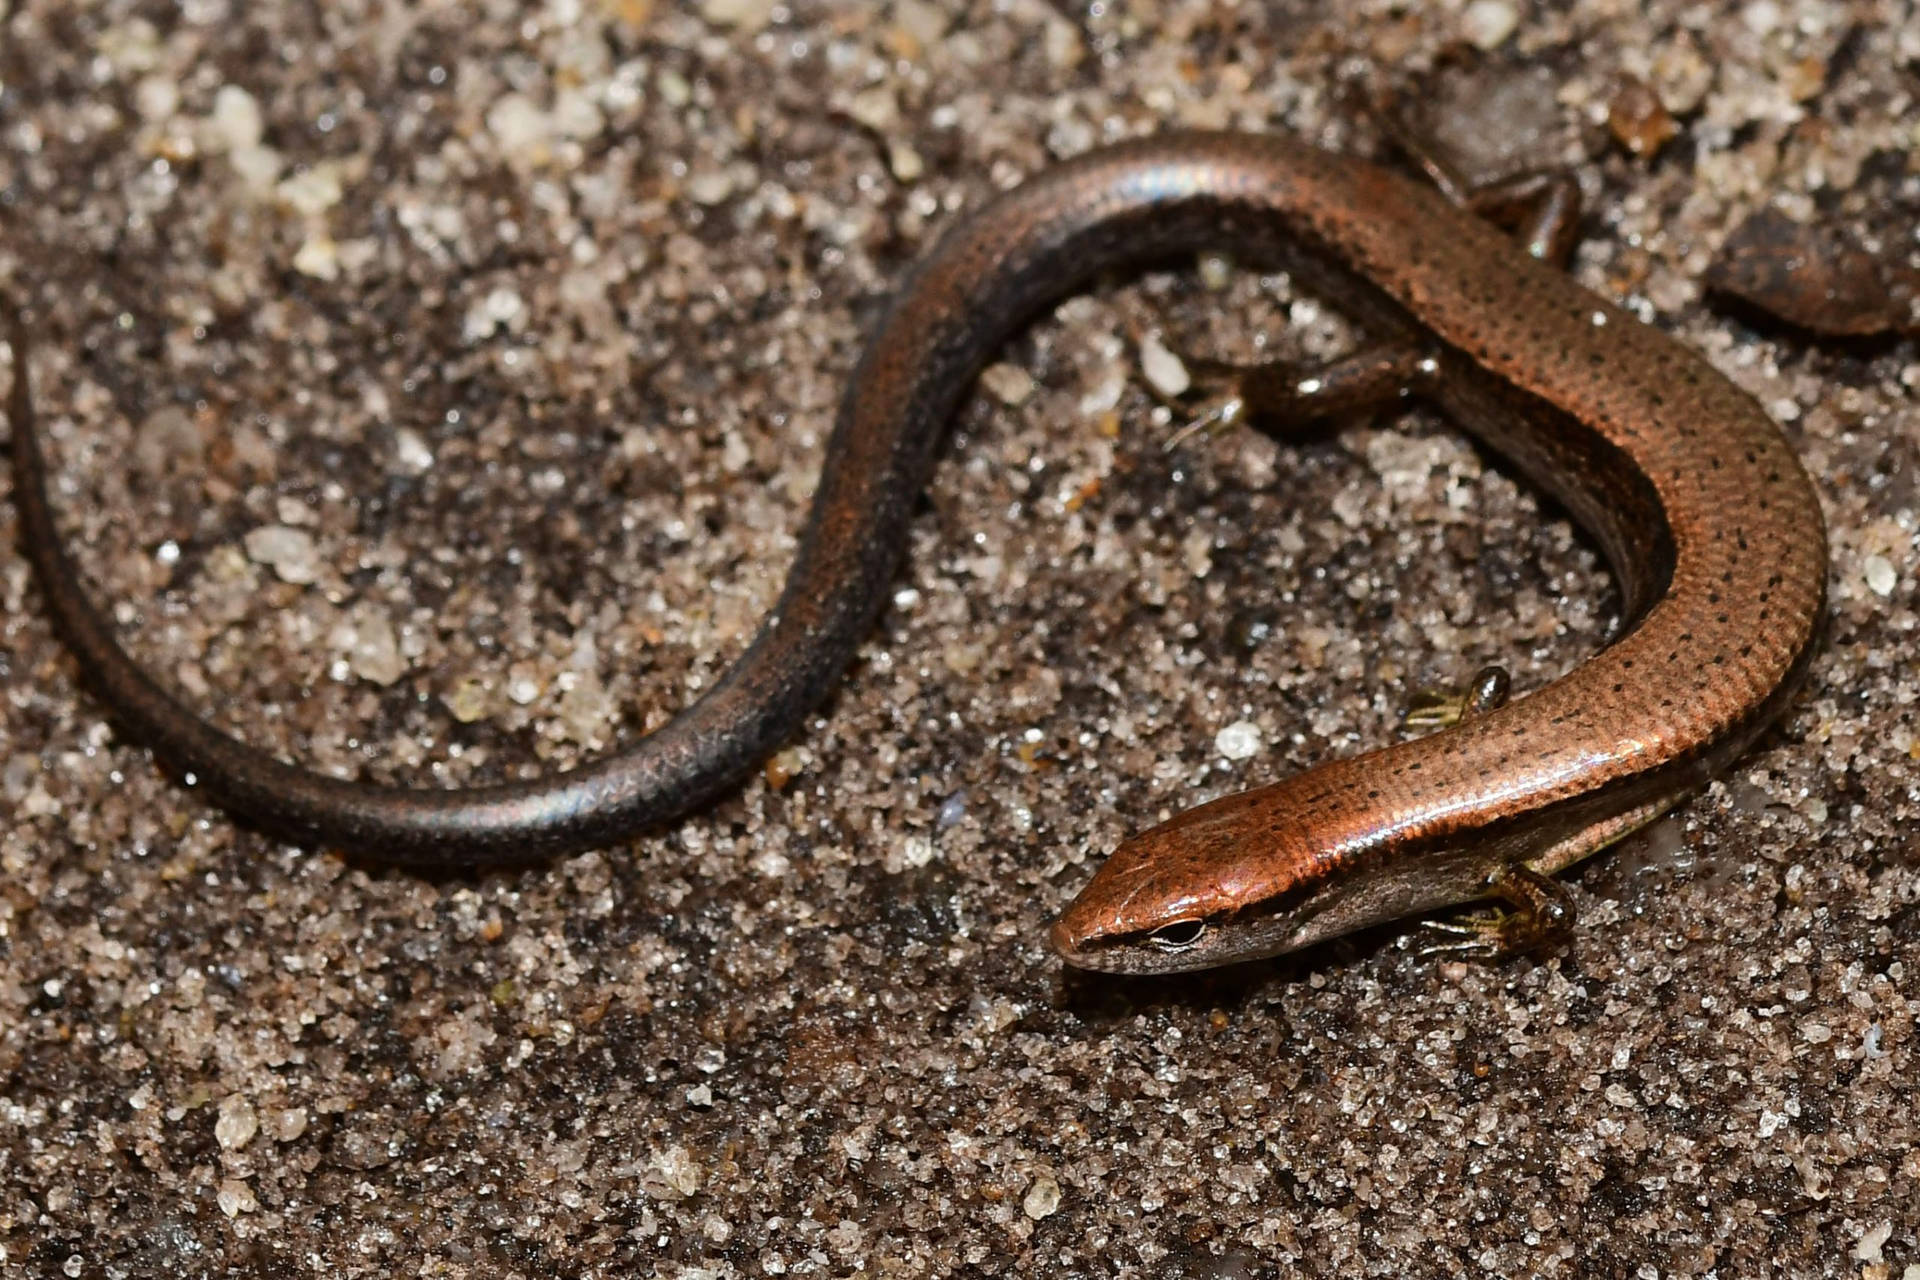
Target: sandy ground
column 436, row 391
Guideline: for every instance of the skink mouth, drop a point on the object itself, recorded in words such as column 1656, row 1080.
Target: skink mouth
column 1077, row 951
column 1061, row 939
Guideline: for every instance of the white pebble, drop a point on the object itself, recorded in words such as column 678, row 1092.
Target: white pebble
column 1762, row 17
column 1009, row 383
column 156, row 97
column 376, row 650
column 236, row 1197
column 258, row 168
column 1487, row 23
column 288, row 552
column 1164, row 370
column 1103, row 396
column 235, row 124
column 710, row 187
column 907, row 164
column 675, row 1174
column 314, row 191
column 1042, row 1199
column 924, row 22
column 1064, row 48
column 411, row 450
column 319, row 257
column 675, row 91
column 748, row 15
column 500, row 308
column 522, row 129
column 585, row 709
column 1238, row 741
column 576, row 116
column 1881, row 579
column 470, row 700
column 236, row 1124
column 877, row 108
column 524, row 683
column 287, row 1125
column 1197, row 550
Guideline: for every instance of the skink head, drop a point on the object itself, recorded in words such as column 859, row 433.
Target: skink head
column 1216, row 885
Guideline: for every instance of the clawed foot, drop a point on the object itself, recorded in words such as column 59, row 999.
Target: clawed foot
column 1539, row 915
column 1287, row 395
column 1432, row 709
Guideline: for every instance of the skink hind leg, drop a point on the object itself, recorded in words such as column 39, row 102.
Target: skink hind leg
column 1538, row 207
column 1539, row 915
column 1539, row 909
column 1440, row 708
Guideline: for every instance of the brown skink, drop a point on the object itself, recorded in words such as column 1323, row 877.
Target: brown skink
column 1709, row 522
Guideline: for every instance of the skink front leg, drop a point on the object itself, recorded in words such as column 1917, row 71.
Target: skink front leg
column 1285, row 396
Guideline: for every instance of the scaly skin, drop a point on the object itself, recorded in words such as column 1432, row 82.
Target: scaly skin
column 1710, row 522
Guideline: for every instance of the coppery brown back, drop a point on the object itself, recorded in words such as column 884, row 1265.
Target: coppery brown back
column 1732, row 578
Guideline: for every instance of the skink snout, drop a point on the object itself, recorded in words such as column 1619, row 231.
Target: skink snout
column 1063, row 942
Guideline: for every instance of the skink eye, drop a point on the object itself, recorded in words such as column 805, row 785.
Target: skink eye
column 1178, row 935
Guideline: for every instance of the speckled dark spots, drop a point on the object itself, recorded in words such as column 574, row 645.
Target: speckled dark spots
column 974, row 293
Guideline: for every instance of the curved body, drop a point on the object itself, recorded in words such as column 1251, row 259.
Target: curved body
column 1710, row 523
